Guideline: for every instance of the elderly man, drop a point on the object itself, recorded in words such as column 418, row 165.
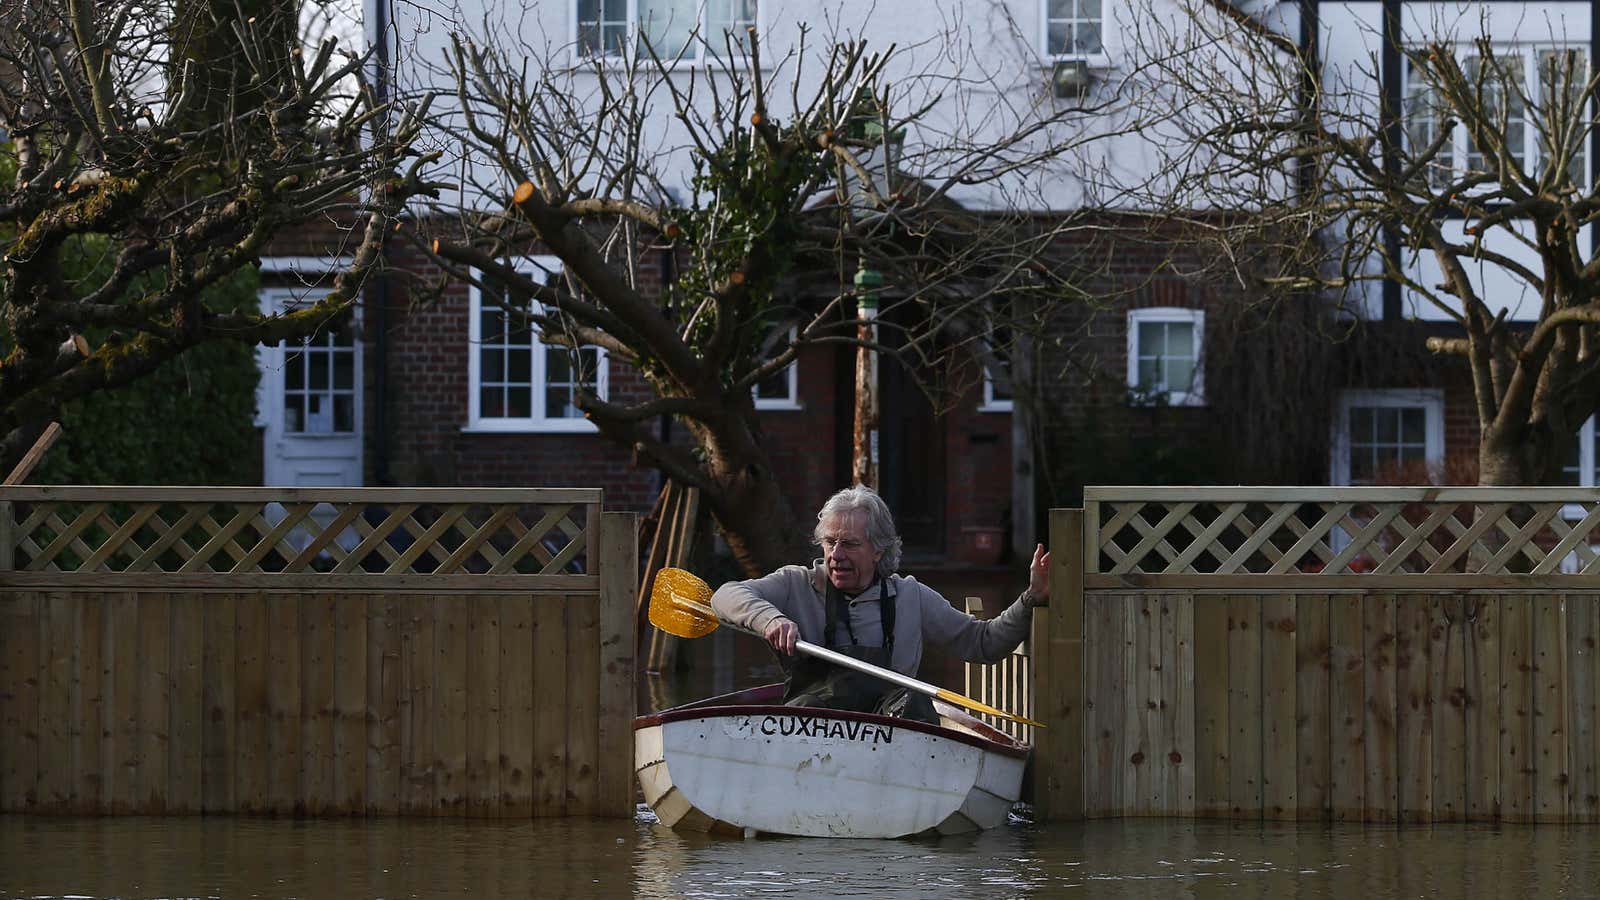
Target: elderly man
column 851, row 601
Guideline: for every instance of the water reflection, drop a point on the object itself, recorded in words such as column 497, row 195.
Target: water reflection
column 42, row 857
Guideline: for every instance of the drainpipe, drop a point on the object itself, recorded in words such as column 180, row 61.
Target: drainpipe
column 380, row 387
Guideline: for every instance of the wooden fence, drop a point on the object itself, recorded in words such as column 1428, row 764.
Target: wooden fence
column 315, row 652
column 1361, row 654
column 1004, row 685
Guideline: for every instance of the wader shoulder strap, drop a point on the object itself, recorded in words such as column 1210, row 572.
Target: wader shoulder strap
column 836, row 607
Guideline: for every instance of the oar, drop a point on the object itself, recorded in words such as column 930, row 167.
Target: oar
column 680, row 604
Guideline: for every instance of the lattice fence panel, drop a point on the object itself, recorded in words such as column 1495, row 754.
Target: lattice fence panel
column 1344, row 535
column 255, row 534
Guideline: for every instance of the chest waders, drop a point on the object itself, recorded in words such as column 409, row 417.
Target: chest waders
column 813, row 682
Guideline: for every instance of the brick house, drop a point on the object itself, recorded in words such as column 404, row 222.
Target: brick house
column 1159, row 383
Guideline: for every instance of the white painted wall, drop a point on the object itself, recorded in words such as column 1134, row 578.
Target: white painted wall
column 985, row 57
column 1351, row 40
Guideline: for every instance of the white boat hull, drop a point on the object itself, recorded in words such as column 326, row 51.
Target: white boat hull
column 812, row 772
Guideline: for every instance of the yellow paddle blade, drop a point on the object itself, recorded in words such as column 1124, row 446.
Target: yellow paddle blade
column 680, row 604
column 976, row 706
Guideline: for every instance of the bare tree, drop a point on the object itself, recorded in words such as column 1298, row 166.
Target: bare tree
column 156, row 147
column 1334, row 189
column 830, row 161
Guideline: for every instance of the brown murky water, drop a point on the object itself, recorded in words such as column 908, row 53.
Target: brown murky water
column 195, row 857
column 244, row 857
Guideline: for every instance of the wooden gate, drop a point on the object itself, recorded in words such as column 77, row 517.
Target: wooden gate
column 1365, row 654
column 317, row 652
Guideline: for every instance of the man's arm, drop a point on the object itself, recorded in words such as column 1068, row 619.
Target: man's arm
column 989, row 641
column 762, row 604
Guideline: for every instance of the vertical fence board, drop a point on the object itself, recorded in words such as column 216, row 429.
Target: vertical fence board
column 124, row 742
column 1139, row 711
column 1414, row 622
column 155, row 661
column 1172, row 700
column 618, row 555
column 450, row 704
column 550, row 706
column 89, row 704
column 1244, row 706
column 283, row 703
column 218, row 701
column 1381, row 794
column 483, row 708
column 1516, row 708
column 583, row 689
column 1104, row 703
column 417, row 725
column 1312, row 733
column 55, row 635
column 1181, row 715
column 1280, row 734
column 1553, row 772
column 1584, row 794
column 186, row 687
column 349, row 794
column 1483, row 706
column 1447, row 676
column 517, row 705
column 1212, row 786
column 19, row 700
column 383, row 704
column 252, row 721
column 316, row 704
column 1347, row 702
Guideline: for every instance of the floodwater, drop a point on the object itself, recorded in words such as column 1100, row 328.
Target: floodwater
column 194, row 857
column 258, row 857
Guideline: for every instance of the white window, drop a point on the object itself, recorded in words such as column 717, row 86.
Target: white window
column 614, row 28
column 1074, row 29
column 1388, row 436
column 1519, row 83
column 1164, row 355
column 780, row 390
column 517, row 383
column 1578, row 469
column 997, row 394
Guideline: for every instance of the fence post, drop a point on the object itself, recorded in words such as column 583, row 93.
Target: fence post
column 1058, row 675
column 8, row 537
column 619, row 580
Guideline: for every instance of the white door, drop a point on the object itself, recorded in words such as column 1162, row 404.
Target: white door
column 310, row 401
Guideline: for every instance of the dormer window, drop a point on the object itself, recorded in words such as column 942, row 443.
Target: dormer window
column 1074, row 29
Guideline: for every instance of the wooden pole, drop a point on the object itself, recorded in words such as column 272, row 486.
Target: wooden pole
column 864, row 468
column 35, row 453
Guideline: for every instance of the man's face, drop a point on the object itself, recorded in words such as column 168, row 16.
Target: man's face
column 850, row 557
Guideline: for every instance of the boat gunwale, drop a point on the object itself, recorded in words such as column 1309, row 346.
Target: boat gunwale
column 1010, row 747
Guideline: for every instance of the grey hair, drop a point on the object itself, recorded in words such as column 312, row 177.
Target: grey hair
column 880, row 523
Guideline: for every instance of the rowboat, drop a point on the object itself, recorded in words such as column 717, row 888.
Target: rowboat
column 742, row 763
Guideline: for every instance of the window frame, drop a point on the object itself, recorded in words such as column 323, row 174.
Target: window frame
column 991, row 403
column 698, row 58
column 276, row 300
column 1460, row 146
column 1431, row 400
column 536, row 267
column 1098, row 60
column 791, row 373
column 1196, row 394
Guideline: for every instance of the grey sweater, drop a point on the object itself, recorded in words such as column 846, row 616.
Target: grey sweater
column 921, row 615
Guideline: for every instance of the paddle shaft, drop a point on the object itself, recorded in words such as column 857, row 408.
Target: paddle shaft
column 850, row 662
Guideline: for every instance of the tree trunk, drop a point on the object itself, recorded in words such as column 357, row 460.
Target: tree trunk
column 1530, row 457
column 748, row 502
